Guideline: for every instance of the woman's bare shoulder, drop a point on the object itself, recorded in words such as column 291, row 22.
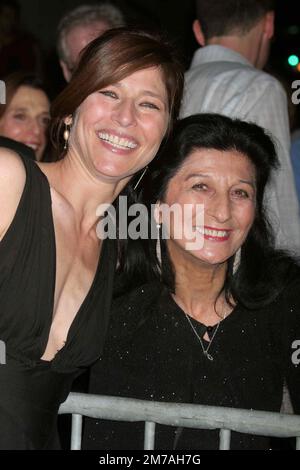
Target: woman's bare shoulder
column 10, row 157
column 12, row 182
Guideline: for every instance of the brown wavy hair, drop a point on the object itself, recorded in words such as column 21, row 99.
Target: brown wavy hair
column 110, row 58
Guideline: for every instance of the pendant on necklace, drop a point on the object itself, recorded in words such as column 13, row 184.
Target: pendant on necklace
column 209, row 356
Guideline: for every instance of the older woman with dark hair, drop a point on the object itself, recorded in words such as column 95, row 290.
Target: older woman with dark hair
column 215, row 322
column 56, row 275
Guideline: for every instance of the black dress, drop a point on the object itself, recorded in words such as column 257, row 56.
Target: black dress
column 152, row 353
column 17, row 147
column 31, row 389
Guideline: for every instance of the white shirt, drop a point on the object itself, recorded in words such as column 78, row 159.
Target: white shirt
column 222, row 81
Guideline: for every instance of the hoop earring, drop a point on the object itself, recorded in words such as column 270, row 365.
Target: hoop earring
column 66, row 135
column 236, row 261
column 140, row 178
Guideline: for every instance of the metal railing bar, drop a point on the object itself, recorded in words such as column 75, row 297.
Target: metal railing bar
column 149, row 440
column 76, row 432
column 185, row 415
column 225, row 438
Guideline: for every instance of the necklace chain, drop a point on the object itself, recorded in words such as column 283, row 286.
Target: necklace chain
column 204, row 350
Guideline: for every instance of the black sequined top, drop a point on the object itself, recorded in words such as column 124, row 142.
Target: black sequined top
column 152, row 353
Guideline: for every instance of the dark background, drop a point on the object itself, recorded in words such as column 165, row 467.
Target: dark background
column 174, row 16
column 41, row 17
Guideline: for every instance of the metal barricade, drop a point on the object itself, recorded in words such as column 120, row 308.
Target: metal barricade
column 262, row 423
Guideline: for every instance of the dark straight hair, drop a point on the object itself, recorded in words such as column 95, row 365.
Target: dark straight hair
column 263, row 269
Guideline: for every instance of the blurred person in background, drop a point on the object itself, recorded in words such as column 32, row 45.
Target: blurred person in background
column 79, row 27
column 226, row 77
column 25, row 116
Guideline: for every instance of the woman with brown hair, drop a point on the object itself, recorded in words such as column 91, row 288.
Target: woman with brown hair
column 55, row 274
column 26, row 114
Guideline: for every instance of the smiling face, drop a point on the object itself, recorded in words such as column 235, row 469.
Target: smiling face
column 224, row 182
column 117, row 131
column 26, row 119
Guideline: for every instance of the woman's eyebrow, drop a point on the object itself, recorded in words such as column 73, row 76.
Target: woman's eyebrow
column 194, row 175
column 143, row 92
column 250, row 182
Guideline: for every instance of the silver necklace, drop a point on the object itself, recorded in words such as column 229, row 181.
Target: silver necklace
column 204, row 350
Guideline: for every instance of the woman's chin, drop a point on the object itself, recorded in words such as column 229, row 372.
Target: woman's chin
column 113, row 175
column 211, row 259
